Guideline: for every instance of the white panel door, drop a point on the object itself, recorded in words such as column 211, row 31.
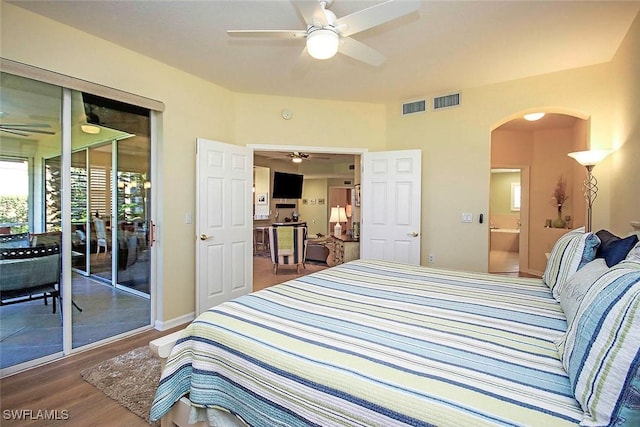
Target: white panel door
column 224, row 226
column 391, row 206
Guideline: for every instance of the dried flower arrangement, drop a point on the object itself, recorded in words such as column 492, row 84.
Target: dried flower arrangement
column 560, row 193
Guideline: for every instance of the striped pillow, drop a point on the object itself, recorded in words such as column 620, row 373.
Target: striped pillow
column 634, row 253
column 601, row 349
column 571, row 292
column 572, row 250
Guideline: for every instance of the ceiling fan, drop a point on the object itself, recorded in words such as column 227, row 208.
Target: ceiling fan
column 25, row 129
column 297, row 157
column 327, row 34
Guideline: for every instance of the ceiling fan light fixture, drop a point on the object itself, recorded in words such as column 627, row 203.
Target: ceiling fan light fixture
column 296, row 160
column 532, row 117
column 323, row 43
column 90, row 129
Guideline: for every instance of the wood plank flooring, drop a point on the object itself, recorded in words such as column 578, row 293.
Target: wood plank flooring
column 58, row 386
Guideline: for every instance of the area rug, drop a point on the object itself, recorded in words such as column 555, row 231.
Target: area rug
column 130, row 379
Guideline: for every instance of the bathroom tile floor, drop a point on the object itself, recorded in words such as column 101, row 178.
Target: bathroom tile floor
column 503, row 262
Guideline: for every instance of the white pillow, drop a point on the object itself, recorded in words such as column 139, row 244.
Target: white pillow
column 571, row 292
column 570, row 253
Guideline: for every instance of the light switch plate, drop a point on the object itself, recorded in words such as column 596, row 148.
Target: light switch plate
column 467, row 217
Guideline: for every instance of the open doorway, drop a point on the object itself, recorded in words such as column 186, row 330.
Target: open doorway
column 504, row 220
column 538, row 149
column 321, row 171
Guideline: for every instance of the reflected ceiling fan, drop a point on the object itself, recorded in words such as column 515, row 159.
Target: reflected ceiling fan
column 327, row 34
column 26, row 129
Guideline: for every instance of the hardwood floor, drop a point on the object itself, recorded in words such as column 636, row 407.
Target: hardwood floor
column 58, row 387
column 263, row 275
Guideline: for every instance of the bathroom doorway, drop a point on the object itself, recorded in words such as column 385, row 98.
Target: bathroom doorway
column 505, row 220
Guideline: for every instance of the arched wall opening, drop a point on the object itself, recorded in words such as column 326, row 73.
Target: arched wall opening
column 538, row 151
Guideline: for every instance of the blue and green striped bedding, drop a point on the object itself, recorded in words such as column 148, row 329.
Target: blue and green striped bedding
column 372, row 343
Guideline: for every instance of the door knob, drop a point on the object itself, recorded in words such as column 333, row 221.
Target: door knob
column 413, row 234
column 205, row 237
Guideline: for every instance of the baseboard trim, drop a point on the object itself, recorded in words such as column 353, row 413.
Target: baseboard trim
column 172, row 323
column 535, row 273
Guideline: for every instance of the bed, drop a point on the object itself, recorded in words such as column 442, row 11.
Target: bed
column 373, row 343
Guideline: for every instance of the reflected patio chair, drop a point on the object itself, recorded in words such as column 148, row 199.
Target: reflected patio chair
column 101, row 235
column 29, row 274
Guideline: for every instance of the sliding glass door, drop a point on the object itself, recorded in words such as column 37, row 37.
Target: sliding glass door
column 30, row 189
column 112, row 291
column 133, row 212
column 110, row 188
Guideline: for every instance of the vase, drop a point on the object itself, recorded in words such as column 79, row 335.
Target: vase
column 559, row 222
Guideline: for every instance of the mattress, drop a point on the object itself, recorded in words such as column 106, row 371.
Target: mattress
column 373, row 343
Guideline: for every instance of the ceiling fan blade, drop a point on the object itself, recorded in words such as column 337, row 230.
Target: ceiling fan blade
column 25, row 125
column 45, row 132
column 14, row 132
column 361, row 52
column 375, row 15
column 271, row 34
column 19, row 129
column 311, row 12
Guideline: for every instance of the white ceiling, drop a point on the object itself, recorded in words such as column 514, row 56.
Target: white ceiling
column 446, row 46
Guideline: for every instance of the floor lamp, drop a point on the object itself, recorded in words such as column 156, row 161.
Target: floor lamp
column 589, row 159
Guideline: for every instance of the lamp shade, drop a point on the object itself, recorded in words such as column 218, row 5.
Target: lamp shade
column 590, row 157
column 323, row 43
column 338, row 214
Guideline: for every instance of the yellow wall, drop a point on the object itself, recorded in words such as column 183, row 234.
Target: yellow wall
column 312, row 212
column 455, row 142
column 501, row 196
column 456, row 152
column 625, row 116
column 194, row 108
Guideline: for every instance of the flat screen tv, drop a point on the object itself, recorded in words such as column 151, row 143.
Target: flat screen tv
column 287, row 185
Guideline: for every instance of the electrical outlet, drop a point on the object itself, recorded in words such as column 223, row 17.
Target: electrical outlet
column 432, row 258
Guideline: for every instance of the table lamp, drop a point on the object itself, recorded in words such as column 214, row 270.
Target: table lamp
column 338, row 215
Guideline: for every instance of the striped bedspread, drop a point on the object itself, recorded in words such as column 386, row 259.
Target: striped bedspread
column 372, row 343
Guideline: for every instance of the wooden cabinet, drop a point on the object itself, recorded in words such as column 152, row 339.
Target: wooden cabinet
column 345, row 249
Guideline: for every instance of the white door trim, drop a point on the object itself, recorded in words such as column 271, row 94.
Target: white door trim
column 327, row 150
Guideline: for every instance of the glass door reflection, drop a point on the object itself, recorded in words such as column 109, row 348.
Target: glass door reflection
column 111, row 160
column 30, row 221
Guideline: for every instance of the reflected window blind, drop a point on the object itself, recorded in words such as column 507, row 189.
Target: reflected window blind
column 98, row 189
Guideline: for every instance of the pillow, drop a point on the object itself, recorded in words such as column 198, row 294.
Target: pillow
column 572, row 250
column 571, row 293
column 601, row 350
column 634, row 254
column 614, row 249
